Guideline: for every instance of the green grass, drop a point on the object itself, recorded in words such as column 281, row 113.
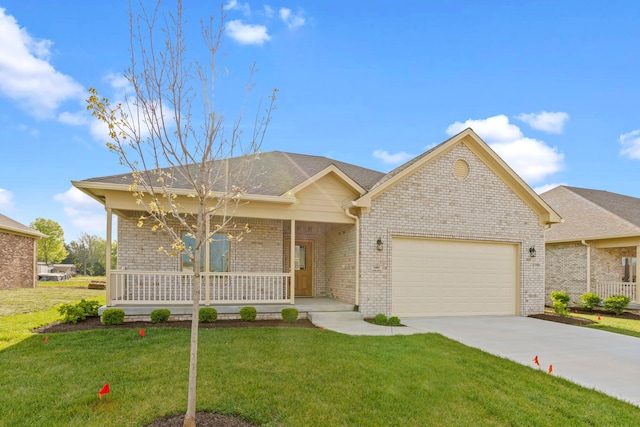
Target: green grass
column 288, row 377
column 613, row 324
column 74, row 282
column 22, row 310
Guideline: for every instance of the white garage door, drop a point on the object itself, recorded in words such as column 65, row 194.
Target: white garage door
column 453, row 278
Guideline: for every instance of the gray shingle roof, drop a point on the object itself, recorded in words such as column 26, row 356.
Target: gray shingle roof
column 8, row 224
column 277, row 172
column 591, row 214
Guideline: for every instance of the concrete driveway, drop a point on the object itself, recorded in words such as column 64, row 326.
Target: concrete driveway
column 595, row 359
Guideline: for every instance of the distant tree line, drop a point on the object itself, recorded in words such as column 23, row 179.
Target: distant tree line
column 87, row 253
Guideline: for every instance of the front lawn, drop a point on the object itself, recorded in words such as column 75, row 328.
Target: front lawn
column 288, row 377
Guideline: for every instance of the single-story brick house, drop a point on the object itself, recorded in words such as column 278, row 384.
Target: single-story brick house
column 595, row 248
column 18, row 254
column 453, row 231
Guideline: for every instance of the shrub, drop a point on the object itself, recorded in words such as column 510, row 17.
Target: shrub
column 589, row 300
column 248, row 314
column 560, row 308
column 71, row 313
column 380, row 319
column 113, row 316
column 393, row 321
column 207, row 315
column 160, row 315
column 89, row 307
column 561, row 296
column 290, row 315
column 616, row 303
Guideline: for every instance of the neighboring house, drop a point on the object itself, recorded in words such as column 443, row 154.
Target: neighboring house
column 55, row 272
column 453, row 231
column 595, row 248
column 18, row 254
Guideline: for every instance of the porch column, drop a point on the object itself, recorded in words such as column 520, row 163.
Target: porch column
column 292, row 261
column 107, row 263
column 637, row 298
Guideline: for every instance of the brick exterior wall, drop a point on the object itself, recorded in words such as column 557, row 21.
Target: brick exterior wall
column 433, row 202
column 17, row 260
column 341, row 263
column 566, row 270
column 258, row 251
column 316, row 234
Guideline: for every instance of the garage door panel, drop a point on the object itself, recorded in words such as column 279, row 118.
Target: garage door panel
column 453, row 278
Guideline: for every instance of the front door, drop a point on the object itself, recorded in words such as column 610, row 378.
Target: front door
column 304, row 269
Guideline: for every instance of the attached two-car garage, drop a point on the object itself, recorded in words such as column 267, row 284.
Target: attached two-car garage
column 447, row 277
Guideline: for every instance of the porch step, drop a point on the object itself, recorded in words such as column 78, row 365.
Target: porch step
column 342, row 316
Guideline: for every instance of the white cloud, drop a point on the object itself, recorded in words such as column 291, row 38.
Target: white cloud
column 247, row 33
column 6, row 200
column 26, row 76
column 82, row 211
column 268, row 11
column 292, row 20
column 74, row 119
column 530, row 158
column 630, row 144
column 394, row 159
column 235, row 5
column 547, row 187
column 545, row 121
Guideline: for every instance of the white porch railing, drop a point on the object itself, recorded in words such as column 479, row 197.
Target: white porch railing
column 607, row 289
column 144, row 287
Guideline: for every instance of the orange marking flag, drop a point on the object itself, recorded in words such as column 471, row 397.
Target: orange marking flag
column 142, row 333
column 550, row 368
column 46, row 340
column 535, row 360
column 104, row 390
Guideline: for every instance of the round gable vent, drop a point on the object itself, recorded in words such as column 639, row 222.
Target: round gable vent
column 461, row 169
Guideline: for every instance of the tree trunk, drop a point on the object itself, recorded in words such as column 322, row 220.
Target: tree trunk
column 190, row 416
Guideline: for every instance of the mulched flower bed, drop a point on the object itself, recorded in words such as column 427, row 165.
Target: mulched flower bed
column 582, row 322
column 94, row 323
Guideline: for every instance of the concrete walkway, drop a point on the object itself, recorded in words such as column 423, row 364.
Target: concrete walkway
column 594, row 359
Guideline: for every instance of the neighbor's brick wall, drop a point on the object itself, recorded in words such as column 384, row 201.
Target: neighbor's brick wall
column 258, row 250
column 17, row 260
column 434, row 203
column 566, row 270
column 341, row 263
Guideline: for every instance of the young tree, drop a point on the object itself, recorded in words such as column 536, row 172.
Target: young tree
column 156, row 135
column 88, row 254
column 50, row 248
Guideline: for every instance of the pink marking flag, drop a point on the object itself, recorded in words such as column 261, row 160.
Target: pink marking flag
column 141, row 332
column 104, row 390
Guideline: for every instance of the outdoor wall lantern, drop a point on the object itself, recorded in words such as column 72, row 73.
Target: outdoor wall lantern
column 379, row 243
column 532, row 251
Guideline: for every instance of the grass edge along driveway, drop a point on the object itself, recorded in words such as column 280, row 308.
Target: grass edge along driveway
column 289, row 377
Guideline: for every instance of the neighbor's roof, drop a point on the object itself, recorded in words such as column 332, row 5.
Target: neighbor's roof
column 284, row 171
column 592, row 214
column 9, row 225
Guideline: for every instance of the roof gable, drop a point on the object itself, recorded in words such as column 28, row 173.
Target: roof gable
column 9, row 225
column 592, row 214
column 472, row 141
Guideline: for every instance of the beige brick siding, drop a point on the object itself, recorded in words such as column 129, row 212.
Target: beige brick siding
column 341, row 263
column 566, row 270
column 434, row 203
column 17, row 260
column 260, row 250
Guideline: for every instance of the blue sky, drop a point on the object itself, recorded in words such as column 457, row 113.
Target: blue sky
column 551, row 86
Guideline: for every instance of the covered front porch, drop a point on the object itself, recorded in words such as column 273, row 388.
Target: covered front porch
column 613, row 268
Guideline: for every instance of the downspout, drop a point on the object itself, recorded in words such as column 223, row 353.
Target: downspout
column 357, row 218
column 588, row 264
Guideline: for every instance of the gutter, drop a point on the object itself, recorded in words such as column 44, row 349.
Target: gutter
column 588, row 264
column 357, row 218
